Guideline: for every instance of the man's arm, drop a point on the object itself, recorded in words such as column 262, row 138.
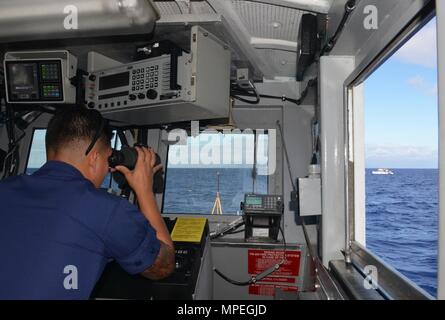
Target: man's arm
column 164, row 264
column 141, row 181
column 149, row 207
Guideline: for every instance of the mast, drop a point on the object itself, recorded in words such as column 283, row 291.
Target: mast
column 217, row 206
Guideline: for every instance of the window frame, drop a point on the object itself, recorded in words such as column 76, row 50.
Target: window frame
column 392, row 283
column 270, row 186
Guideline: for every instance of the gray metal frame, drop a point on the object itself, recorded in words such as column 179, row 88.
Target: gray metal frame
column 391, row 283
column 440, row 10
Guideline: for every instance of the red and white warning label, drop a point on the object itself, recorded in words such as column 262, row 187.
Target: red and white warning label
column 284, row 278
column 260, row 260
column 269, row 289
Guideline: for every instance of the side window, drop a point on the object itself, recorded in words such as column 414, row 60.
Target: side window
column 37, row 154
column 236, row 162
column 401, row 157
column 109, row 182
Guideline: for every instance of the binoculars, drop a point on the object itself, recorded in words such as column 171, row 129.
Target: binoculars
column 128, row 157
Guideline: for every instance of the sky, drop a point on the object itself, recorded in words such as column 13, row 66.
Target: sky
column 401, row 119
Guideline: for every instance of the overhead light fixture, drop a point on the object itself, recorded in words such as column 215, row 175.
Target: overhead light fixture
column 276, row 25
column 22, row 20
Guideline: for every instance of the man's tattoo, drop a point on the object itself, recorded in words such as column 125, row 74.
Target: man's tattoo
column 164, row 264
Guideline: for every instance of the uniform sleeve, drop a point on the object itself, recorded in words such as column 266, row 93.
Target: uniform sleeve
column 130, row 239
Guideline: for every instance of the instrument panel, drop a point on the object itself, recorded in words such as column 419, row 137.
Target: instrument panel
column 140, row 83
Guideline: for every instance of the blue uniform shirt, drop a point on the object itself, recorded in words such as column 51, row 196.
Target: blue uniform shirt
column 57, row 233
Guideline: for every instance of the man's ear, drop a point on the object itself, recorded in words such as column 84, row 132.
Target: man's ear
column 92, row 159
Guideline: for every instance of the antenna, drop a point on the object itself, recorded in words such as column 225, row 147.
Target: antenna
column 217, row 206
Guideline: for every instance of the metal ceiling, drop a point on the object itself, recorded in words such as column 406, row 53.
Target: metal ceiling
column 266, row 31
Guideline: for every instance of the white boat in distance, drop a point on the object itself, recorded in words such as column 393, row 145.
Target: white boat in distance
column 382, row 171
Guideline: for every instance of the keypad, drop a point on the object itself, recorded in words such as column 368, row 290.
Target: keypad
column 268, row 203
column 49, row 71
column 51, row 91
column 141, row 80
column 145, row 78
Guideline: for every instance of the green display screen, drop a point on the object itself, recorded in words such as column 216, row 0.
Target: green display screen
column 254, row 201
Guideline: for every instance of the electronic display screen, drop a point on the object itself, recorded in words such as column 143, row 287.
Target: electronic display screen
column 23, row 81
column 23, row 75
column 38, row 80
column 114, row 81
column 254, row 201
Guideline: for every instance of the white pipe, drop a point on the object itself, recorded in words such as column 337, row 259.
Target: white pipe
column 440, row 11
column 49, row 19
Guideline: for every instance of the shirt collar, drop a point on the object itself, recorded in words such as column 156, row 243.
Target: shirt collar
column 59, row 169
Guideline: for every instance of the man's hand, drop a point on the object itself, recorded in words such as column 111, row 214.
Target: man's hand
column 141, row 178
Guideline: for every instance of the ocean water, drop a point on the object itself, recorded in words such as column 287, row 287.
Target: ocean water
column 194, row 190
column 402, row 222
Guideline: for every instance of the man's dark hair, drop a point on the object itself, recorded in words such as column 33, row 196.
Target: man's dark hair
column 76, row 123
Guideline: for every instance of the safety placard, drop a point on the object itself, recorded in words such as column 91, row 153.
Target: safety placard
column 260, row 260
column 269, row 289
column 283, row 280
column 188, row 229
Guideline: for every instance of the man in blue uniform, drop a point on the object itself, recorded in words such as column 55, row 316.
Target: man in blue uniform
column 58, row 230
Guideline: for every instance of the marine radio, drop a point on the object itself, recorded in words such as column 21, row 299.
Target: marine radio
column 40, row 77
column 256, row 203
column 171, row 87
column 262, row 217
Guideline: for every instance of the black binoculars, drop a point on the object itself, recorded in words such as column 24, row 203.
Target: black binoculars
column 128, row 157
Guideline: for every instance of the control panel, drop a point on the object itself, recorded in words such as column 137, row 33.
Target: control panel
column 40, row 77
column 263, row 203
column 191, row 279
column 140, row 83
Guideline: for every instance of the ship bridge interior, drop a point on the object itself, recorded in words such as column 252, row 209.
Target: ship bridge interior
column 284, row 76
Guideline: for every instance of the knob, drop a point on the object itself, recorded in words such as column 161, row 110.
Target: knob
column 141, row 96
column 91, row 105
column 152, row 94
column 132, row 97
column 92, row 77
